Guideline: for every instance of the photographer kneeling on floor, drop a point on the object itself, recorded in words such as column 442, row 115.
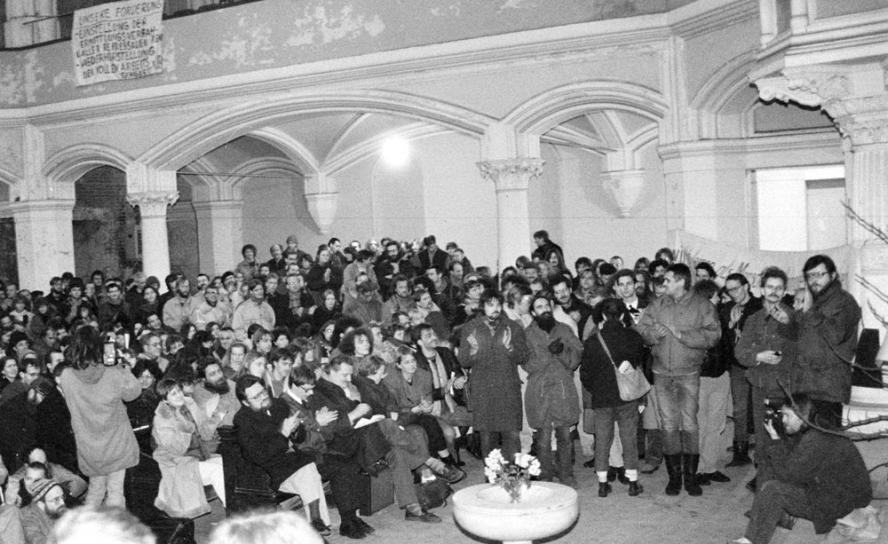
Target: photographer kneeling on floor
column 818, row 475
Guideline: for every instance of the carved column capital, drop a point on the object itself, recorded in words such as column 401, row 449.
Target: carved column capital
column 625, row 188
column 511, row 174
column 810, row 88
column 154, row 203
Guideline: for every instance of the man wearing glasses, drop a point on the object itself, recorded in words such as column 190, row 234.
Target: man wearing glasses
column 733, row 317
column 827, row 335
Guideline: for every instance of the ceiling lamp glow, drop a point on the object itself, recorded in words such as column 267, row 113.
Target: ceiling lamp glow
column 395, row 151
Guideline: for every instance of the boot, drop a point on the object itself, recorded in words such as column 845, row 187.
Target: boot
column 741, row 455
column 673, row 467
column 690, row 462
column 635, row 489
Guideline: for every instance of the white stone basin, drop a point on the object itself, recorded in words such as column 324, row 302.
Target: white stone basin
column 486, row 510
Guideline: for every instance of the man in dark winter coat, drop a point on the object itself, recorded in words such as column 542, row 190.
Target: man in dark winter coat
column 827, row 335
column 493, row 346
column 820, row 475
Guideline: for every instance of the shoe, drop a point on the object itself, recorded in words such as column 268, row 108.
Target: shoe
column 752, row 485
column 604, row 489
column 364, row 526
column 590, row 463
column 322, row 528
column 635, row 489
column 673, row 467
column 717, row 477
column 690, row 463
column 741, row 455
column 351, row 530
column 422, row 516
column 741, row 540
column 621, row 476
column 649, row 467
column 703, row 479
column 452, row 474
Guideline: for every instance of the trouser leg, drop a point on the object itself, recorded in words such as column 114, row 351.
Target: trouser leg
column 95, row 493
column 542, row 442
column 771, row 502
column 669, row 413
column 688, row 395
column 627, row 423
column 405, row 492
column 712, row 422
column 604, row 436
column 564, row 444
column 740, row 394
column 211, row 473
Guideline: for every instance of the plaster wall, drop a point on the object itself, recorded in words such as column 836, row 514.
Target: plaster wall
column 706, row 53
column 459, row 205
column 496, row 89
column 273, row 209
column 591, row 224
column 279, row 33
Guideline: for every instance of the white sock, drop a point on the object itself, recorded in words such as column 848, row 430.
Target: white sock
column 632, row 474
column 602, row 477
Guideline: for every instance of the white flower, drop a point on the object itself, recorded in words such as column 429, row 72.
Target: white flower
column 522, row 459
column 534, row 469
column 491, row 475
column 494, row 460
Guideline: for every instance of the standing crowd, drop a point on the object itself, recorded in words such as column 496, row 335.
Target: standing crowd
column 400, row 357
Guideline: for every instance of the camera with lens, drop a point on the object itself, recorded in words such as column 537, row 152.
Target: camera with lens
column 774, row 413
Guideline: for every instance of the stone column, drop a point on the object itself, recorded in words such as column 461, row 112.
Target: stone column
column 155, row 242
column 510, row 178
column 220, row 230
column 44, row 240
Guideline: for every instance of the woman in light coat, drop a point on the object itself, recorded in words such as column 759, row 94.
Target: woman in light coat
column 180, row 430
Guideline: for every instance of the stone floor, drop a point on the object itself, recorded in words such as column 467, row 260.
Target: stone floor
column 653, row 517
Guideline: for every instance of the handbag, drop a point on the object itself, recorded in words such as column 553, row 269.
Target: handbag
column 632, row 385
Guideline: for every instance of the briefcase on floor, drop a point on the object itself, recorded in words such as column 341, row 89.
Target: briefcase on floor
column 381, row 493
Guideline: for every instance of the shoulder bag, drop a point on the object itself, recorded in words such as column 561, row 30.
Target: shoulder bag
column 632, row 385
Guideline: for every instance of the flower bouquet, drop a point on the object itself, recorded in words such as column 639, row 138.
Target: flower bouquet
column 515, row 475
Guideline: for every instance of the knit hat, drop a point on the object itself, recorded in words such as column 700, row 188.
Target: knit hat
column 41, row 487
column 17, row 337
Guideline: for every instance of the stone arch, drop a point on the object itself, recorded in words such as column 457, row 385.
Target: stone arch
column 211, row 131
column 555, row 106
column 721, row 89
column 258, row 166
column 304, row 159
column 70, row 164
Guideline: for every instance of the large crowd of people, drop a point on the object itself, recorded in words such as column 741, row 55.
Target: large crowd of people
column 406, row 357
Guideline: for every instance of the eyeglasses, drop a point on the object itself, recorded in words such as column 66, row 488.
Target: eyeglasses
column 816, row 274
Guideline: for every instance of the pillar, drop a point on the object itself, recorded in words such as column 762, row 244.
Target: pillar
column 155, row 243
column 44, row 240
column 511, row 178
column 220, row 231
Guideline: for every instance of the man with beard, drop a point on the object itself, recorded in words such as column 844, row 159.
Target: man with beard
column 401, row 300
column 827, row 335
column 493, row 346
column 47, row 505
column 263, row 428
column 177, row 310
column 569, row 309
column 215, row 396
column 390, row 267
column 551, row 399
column 53, row 422
column 56, row 297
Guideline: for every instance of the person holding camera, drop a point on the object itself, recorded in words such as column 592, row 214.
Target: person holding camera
column 818, row 474
column 95, row 388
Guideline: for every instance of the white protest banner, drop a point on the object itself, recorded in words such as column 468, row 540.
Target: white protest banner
column 121, row 40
